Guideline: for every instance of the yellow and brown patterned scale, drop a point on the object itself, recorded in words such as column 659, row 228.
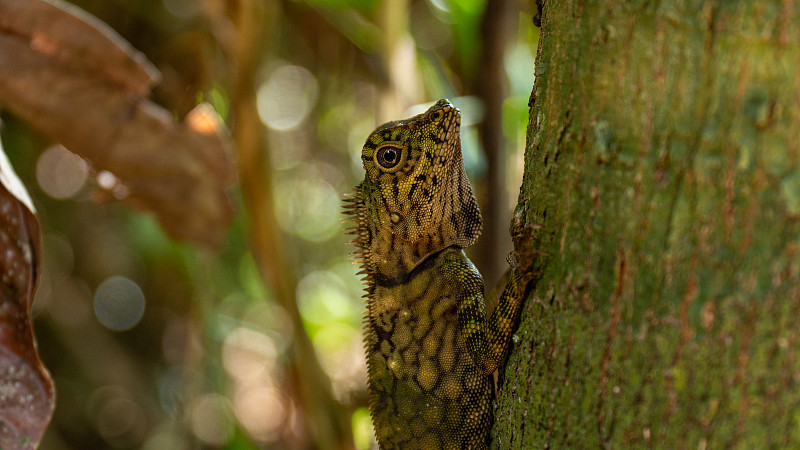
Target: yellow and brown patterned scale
column 430, row 348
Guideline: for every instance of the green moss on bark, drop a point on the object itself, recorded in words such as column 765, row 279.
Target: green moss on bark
column 662, row 165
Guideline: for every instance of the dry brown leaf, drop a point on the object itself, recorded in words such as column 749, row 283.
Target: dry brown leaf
column 26, row 390
column 78, row 83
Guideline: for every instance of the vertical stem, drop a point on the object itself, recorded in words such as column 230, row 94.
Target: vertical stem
column 491, row 88
column 325, row 419
column 399, row 57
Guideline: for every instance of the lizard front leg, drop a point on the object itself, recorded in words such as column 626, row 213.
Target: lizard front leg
column 488, row 339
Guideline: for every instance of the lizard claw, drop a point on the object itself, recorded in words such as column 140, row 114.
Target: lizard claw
column 512, row 261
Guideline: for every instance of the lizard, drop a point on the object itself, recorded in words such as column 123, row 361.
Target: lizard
column 430, row 348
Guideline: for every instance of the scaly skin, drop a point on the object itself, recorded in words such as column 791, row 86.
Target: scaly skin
column 430, row 349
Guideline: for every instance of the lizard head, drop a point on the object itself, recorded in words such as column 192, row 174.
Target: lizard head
column 415, row 199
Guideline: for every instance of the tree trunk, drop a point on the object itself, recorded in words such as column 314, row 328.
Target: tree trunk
column 662, row 174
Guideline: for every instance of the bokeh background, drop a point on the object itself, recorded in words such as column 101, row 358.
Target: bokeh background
column 159, row 344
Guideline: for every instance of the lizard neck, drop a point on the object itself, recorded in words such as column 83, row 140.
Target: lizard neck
column 393, row 237
column 379, row 251
column 385, row 255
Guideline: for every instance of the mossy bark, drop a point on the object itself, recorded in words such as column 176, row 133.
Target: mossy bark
column 662, row 170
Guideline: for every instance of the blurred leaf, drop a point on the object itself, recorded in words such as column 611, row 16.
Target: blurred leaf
column 466, row 18
column 26, row 390
column 352, row 24
column 364, row 6
column 77, row 82
column 77, row 41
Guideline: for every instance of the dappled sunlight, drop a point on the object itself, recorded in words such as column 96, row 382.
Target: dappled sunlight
column 248, row 355
column 308, row 208
column 61, row 173
column 332, row 313
column 340, row 350
column 119, row 303
column 117, row 416
column 212, row 419
column 287, row 97
column 261, row 409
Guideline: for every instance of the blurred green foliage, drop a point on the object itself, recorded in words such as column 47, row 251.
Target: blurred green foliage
column 206, row 365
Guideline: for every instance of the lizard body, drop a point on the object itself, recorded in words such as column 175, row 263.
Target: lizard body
column 430, row 348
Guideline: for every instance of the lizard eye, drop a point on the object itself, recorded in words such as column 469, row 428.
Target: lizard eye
column 389, row 156
column 437, row 115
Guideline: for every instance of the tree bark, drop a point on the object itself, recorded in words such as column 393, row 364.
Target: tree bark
column 662, row 176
